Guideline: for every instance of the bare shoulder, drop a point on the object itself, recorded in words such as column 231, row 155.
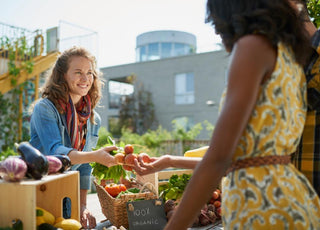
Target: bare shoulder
column 257, row 49
column 255, row 42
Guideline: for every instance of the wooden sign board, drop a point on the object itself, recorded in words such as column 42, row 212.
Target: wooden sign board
column 146, row 214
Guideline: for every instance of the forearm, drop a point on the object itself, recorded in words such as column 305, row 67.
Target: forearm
column 83, row 198
column 77, row 157
column 183, row 162
column 101, row 156
column 206, row 177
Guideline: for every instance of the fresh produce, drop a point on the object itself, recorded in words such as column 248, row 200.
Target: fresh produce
column 114, row 189
column 119, row 158
column 129, row 159
column 208, row 214
column 13, row 169
column 66, row 162
column 127, row 168
column 128, row 148
column 102, row 172
column 37, row 163
column 44, row 216
column 54, row 164
column 199, row 152
column 144, row 157
column 68, row 224
column 174, row 188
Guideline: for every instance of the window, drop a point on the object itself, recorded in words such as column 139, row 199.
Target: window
column 142, row 53
column 180, row 49
column 184, row 88
column 153, row 51
column 166, row 49
column 116, row 91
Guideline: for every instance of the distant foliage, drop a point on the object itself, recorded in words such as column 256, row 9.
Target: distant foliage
column 314, row 11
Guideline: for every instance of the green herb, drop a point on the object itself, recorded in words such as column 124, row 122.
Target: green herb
column 129, row 191
column 102, row 172
column 174, row 188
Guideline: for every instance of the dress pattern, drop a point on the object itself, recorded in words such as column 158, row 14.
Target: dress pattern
column 272, row 196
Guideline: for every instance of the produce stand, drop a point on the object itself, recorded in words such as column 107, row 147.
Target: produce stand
column 20, row 199
column 162, row 177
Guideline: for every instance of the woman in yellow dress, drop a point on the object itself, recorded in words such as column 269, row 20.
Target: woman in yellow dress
column 260, row 124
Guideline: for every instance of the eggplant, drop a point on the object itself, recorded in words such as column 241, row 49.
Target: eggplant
column 66, row 162
column 13, row 169
column 38, row 165
column 54, row 164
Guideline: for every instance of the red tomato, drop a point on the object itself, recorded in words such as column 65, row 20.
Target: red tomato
column 113, row 189
column 122, row 187
column 128, row 148
column 215, row 195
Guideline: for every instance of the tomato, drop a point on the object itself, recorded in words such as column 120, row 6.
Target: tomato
column 122, row 187
column 113, row 189
column 128, row 148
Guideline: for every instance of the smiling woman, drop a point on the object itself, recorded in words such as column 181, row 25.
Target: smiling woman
column 79, row 78
column 64, row 122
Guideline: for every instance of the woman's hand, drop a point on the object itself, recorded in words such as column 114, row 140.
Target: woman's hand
column 87, row 220
column 156, row 164
column 101, row 156
column 104, row 157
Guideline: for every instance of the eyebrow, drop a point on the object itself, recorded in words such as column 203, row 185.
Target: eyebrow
column 81, row 70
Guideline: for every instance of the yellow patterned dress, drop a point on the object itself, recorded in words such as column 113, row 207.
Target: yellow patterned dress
column 272, row 196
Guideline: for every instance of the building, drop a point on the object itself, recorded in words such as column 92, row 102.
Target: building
column 184, row 84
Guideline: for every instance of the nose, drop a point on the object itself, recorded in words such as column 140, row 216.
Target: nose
column 84, row 77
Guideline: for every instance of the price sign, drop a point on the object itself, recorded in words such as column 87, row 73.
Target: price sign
column 146, row 214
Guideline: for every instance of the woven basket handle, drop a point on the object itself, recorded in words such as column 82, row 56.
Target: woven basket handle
column 152, row 188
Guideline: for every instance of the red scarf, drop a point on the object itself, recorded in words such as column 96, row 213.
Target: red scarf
column 77, row 121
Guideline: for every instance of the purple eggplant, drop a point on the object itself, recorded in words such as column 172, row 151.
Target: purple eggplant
column 38, row 165
column 65, row 160
column 13, row 169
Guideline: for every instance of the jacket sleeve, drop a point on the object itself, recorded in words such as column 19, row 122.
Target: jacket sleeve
column 45, row 122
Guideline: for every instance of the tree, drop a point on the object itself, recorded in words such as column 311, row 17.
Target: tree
column 314, row 11
column 137, row 112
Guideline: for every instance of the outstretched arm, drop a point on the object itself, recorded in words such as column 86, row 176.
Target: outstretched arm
column 165, row 161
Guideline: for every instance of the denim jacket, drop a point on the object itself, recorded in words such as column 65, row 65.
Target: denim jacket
column 50, row 136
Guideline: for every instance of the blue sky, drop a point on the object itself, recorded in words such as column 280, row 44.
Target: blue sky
column 117, row 23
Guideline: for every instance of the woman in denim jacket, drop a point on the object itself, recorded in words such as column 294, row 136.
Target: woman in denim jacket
column 64, row 122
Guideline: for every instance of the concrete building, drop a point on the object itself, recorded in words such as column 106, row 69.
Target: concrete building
column 187, row 85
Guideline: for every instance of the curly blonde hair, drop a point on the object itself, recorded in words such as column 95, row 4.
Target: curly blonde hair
column 56, row 87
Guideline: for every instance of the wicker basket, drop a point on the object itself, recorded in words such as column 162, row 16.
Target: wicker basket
column 115, row 209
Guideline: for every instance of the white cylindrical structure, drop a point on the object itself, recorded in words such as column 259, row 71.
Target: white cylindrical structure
column 156, row 45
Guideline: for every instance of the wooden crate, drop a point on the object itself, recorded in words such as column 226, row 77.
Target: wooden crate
column 19, row 199
column 162, row 177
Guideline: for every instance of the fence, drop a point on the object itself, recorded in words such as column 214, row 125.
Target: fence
column 175, row 147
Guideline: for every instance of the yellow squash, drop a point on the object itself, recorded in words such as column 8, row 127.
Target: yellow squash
column 44, row 216
column 68, row 224
column 199, row 152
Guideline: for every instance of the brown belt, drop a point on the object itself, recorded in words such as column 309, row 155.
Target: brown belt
column 259, row 161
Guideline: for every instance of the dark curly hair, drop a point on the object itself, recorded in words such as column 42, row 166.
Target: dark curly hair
column 56, row 87
column 275, row 19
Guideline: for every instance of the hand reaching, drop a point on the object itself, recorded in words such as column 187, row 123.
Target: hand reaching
column 156, row 164
column 104, row 157
column 87, row 220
